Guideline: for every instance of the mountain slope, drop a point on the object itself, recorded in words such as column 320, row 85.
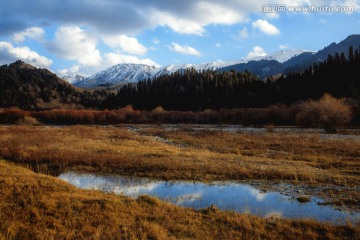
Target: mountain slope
column 271, row 64
column 28, row 87
column 305, row 61
column 343, row 46
column 298, row 62
column 118, row 73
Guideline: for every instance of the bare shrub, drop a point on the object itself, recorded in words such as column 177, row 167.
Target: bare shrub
column 28, row 121
column 10, row 116
column 328, row 113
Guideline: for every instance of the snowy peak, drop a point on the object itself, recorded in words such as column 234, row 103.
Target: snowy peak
column 119, row 73
column 73, row 78
column 280, row 56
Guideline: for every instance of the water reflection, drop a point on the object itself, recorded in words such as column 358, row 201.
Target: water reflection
column 225, row 195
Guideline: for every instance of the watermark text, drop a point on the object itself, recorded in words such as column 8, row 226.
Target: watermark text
column 281, row 8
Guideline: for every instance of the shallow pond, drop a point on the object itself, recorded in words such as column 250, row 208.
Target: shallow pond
column 225, row 195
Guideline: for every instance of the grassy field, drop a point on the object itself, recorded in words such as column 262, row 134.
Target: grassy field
column 300, row 158
column 37, row 206
column 42, row 207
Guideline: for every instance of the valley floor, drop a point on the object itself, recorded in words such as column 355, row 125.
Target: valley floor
column 39, row 206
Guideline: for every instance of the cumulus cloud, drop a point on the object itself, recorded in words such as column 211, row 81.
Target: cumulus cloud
column 127, row 44
column 266, row 27
column 73, row 43
column 218, row 45
column 179, row 25
column 9, row 53
column 257, row 51
column 69, row 71
column 184, row 49
column 34, row 32
column 192, row 16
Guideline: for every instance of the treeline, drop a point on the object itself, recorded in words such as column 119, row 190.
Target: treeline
column 338, row 76
column 192, row 90
column 186, row 90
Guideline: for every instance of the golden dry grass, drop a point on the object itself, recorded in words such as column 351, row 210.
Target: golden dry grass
column 186, row 154
column 37, row 206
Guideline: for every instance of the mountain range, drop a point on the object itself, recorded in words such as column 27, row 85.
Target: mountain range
column 281, row 62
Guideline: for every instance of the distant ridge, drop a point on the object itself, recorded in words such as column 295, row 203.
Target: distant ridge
column 123, row 73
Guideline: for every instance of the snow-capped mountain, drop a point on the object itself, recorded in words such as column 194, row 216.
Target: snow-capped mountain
column 117, row 74
column 273, row 64
column 280, row 56
column 199, row 67
column 73, row 78
column 123, row 73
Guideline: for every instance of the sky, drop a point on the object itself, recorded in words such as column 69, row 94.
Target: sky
column 86, row 36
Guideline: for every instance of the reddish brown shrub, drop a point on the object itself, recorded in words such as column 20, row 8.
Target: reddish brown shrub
column 328, row 113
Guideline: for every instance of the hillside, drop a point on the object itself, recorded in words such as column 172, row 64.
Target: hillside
column 27, row 87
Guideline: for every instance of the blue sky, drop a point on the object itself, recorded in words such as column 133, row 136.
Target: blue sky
column 85, row 36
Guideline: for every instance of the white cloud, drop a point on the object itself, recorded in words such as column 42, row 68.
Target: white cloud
column 9, row 53
column 34, row 32
column 191, row 17
column 243, row 33
column 69, row 71
column 256, row 52
column 218, row 45
column 266, row 27
column 283, row 46
column 73, row 43
column 217, row 13
column 179, row 25
column 186, row 50
column 127, row 44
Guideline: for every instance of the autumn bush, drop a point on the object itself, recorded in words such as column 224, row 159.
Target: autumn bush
column 328, row 113
column 26, row 120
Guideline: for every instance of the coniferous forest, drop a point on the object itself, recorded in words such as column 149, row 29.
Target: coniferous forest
column 185, row 90
column 192, row 90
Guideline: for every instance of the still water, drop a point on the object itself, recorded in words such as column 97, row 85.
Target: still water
column 225, row 195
